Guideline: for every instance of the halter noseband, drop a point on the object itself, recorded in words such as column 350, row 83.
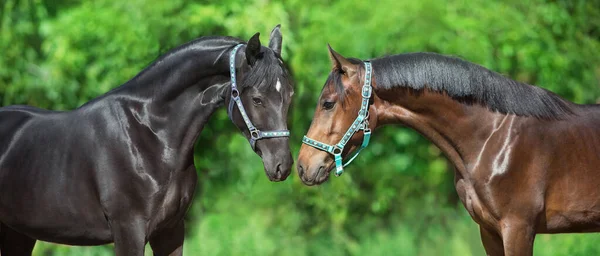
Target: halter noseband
column 255, row 134
column 360, row 123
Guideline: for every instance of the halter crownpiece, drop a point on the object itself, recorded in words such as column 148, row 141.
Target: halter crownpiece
column 360, row 123
column 255, row 134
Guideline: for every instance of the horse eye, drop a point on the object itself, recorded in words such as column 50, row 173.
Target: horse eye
column 257, row 101
column 328, row 105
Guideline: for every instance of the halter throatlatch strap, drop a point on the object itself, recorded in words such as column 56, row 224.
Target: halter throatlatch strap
column 360, row 123
column 255, row 134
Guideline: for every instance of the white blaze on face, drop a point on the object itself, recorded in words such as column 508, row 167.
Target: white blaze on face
column 278, row 85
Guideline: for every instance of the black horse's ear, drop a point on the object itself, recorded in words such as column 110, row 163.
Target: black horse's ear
column 340, row 63
column 253, row 49
column 275, row 40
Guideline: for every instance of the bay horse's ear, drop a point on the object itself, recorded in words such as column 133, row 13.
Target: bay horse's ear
column 253, row 49
column 340, row 63
column 275, row 40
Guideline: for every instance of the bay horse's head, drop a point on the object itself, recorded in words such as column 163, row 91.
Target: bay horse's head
column 337, row 128
column 264, row 90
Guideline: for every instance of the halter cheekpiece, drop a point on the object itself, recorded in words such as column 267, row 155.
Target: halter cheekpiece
column 255, row 134
column 360, row 123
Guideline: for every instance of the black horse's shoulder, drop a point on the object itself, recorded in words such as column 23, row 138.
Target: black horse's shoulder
column 25, row 109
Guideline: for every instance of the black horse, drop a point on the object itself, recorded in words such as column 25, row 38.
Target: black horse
column 120, row 168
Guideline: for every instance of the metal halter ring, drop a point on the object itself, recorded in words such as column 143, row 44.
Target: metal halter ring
column 235, row 93
column 337, row 151
column 255, row 134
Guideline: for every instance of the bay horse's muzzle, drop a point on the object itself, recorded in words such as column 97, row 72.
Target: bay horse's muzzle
column 312, row 175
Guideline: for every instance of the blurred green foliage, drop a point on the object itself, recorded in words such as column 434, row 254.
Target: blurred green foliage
column 398, row 198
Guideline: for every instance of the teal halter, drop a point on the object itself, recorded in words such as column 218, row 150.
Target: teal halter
column 360, row 123
column 255, row 134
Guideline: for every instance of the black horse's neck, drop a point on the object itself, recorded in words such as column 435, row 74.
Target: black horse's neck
column 173, row 98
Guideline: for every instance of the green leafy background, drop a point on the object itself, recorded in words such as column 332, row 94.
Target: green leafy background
column 397, row 198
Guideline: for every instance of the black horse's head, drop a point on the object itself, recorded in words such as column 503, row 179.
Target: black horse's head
column 265, row 89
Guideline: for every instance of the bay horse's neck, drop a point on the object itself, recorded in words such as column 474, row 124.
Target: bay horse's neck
column 175, row 96
column 458, row 104
column 459, row 130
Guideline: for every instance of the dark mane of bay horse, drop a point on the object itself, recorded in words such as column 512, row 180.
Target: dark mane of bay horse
column 463, row 81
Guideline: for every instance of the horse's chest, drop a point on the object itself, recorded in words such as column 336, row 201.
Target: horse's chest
column 176, row 200
column 474, row 205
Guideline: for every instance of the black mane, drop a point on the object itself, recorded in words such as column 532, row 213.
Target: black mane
column 467, row 82
column 266, row 71
column 164, row 65
column 210, row 43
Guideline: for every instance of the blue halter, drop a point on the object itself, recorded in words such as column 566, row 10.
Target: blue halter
column 255, row 134
column 360, row 123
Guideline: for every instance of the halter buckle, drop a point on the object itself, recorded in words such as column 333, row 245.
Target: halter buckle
column 366, row 128
column 367, row 91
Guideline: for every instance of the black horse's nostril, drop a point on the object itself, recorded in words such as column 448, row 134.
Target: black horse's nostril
column 278, row 171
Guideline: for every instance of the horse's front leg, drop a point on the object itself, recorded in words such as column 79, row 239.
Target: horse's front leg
column 518, row 237
column 129, row 236
column 169, row 241
column 492, row 242
column 14, row 243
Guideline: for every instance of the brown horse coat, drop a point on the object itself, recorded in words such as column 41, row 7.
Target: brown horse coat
column 526, row 161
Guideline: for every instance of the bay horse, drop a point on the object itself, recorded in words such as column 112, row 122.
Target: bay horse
column 526, row 161
column 120, row 168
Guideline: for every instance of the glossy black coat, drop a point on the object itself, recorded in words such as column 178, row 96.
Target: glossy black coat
column 120, row 168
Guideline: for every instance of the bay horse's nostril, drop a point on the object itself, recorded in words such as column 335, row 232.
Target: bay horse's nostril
column 300, row 170
column 321, row 169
